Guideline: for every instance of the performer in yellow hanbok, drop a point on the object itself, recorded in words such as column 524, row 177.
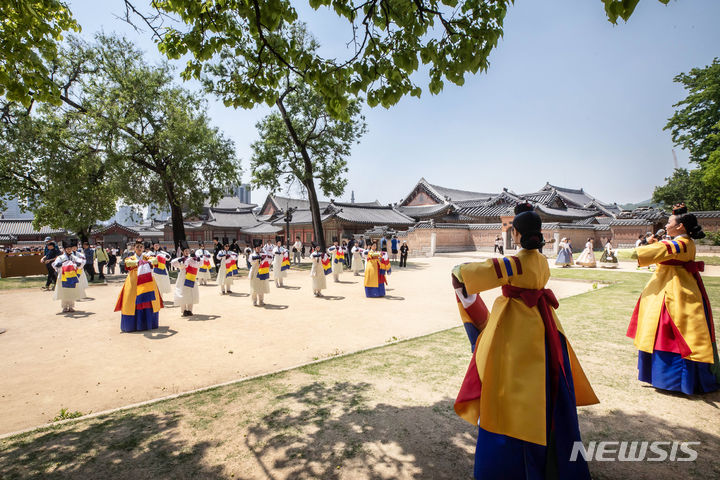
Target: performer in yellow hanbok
column 672, row 323
column 139, row 301
column 374, row 273
column 524, row 381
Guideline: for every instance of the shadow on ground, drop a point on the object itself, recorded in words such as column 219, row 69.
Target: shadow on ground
column 333, row 432
column 130, row 446
column 618, row 426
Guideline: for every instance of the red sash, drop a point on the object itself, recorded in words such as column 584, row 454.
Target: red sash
column 544, row 298
column 694, row 268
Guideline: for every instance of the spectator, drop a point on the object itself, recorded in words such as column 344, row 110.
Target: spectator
column 102, row 258
column 296, row 250
column 51, row 252
column 498, row 248
column 350, row 246
column 394, row 248
column 112, row 261
column 404, row 254
column 90, row 258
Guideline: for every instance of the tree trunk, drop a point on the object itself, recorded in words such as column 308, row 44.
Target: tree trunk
column 83, row 234
column 315, row 212
column 178, row 221
column 308, row 181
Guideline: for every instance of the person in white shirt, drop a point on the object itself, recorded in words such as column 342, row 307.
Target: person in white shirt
column 278, row 272
column 357, row 260
column 296, row 249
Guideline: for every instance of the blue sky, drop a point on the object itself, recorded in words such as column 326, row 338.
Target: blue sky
column 569, row 98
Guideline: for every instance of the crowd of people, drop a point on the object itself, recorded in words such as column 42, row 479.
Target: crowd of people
column 71, row 267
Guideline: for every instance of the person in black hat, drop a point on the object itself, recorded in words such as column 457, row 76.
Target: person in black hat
column 227, row 269
column 259, row 275
column 521, row 342
column 67, row 287
column 51, row 253
column 139, row 302
column 187, row 290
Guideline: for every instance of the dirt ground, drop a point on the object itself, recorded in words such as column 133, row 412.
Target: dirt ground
column 83, row 362
column 385, row 413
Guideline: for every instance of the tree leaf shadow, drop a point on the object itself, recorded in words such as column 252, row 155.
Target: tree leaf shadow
column 123, row 445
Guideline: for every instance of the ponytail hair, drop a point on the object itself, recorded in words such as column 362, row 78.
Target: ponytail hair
column 529, row 226
column 692, row 227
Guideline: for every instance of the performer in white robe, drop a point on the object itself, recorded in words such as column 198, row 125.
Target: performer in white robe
column 318, row 271
column 187, row 291
column 564, row 258
column 206, row 264
column 160, row 271
column 82, row 276
column 277, row 264
column 337, row 253
column 587, row 257
column 609, row 258
column 259, row 276
column 67, row 287
column 357, row 260
column 227, row 269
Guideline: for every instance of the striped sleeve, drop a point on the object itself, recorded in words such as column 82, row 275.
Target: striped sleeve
column 661, row 251
column 491, row 273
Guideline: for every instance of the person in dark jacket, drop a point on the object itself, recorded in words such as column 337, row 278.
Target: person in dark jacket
column 404, row 254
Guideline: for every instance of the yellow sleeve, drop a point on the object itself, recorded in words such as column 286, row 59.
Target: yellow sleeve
column 659, row 252
column 481, row 276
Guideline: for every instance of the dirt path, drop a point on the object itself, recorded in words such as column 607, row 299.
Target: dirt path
column 84, row 363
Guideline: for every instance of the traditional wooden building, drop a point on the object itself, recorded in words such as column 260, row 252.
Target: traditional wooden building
column 22, row 231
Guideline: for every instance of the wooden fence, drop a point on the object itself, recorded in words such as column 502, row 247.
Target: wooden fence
column 21, row 265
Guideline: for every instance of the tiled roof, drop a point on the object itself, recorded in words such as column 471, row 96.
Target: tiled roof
column 375, row 215
column 422, row 211
column 262, row 228
column 230, row 203
column 568, row 213
column 240, row 219
column 25, row 227
column 454, row 195
column 650, row 213
column 130, row 231
column 282, row 203
column 707, row 214
column 300, row 217
column 628, row 222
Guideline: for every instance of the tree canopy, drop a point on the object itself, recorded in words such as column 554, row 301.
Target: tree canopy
column 389, row 42
column 695, row 126
column 51, row 162
column 302, row 142
column 688, row 186
column 152, row 138
column 30, row 31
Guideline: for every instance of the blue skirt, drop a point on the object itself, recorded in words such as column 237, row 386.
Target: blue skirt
column 669, row 371
column 508, row 458
column 564, row 258
column 375, row 292
column 144, row 319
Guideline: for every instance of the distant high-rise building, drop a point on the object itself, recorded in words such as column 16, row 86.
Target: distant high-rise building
column 243, row 192
column 127, row 215
column 352, row 196
column 13, row 212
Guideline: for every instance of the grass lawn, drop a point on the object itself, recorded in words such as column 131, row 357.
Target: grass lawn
column 383, row 413
column 35, row 281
